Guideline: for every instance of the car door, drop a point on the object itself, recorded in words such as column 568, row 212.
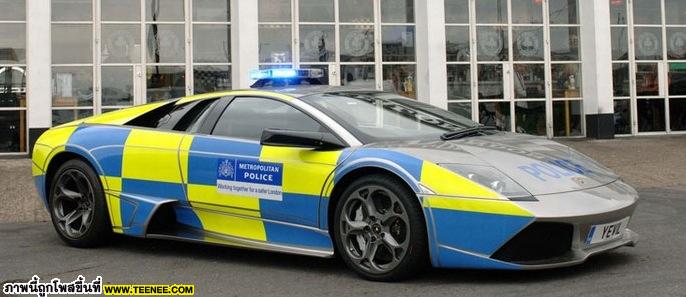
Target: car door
column 241, row 188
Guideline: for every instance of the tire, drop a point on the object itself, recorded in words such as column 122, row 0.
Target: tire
column 379, row 229
column 77, row 206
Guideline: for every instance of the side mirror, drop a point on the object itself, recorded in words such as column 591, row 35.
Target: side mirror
column 304, row 139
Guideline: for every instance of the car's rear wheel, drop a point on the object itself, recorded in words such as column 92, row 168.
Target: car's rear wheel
column 77, row 205
column 379, row 229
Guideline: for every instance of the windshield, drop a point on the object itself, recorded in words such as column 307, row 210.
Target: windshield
column 376, row 116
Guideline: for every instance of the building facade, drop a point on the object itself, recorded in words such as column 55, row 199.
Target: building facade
column 555, row 68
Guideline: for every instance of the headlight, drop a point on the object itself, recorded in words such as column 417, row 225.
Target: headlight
column 493, row 179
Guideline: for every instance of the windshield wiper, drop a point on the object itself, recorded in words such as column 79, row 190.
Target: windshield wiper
column 471, row 131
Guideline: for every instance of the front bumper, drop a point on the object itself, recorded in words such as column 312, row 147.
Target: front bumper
column 496, row 239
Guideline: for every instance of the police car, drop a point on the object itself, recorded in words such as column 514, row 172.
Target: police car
column 387, row 183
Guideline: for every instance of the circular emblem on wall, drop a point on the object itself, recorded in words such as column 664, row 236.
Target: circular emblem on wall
column 117, row 46
column 648, row 44
column 677, row 44
column 315, row 45
column 357, row 43
column 490, row 43
column 528, row 44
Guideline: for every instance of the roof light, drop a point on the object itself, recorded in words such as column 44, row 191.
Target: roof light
column 285, row 73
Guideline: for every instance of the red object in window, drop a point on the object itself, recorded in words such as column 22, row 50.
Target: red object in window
column 538, row 2
column 617, row 2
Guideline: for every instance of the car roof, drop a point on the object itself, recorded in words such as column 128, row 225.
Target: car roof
column 283, row 93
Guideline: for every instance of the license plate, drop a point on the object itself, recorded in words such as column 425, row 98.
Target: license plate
column 606, row 232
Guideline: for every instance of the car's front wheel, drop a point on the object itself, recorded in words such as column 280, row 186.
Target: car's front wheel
column 77, row 205
column 379, row 229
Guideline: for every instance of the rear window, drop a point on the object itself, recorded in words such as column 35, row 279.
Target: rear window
column 173, row 117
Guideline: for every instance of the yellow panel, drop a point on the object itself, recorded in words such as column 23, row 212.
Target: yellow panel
column 476, row 205
column 235, row 93
column 184, row 149
column 208, row 195
column 35, row 171
column 56, row 136
column 114, row 208
column 304, row 170
column 152, row 155
column 250, row 228
column 40, row 155
column 122, row 116
column 445, row 182
column 113, row 183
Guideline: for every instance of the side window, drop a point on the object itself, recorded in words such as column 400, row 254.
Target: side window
column 185, row 115
column 247, row 117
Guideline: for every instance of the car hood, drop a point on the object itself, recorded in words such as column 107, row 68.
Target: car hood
column 539, row 165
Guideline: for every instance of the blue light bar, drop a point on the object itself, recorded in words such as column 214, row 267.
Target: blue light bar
column 273, row 73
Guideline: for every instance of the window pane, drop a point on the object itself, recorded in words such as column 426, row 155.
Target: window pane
column 648, row 43
column 674, row 12
column 121, row 43
column 357, row 43
column 275, row 43
column 617, row 11
column 13, row 10
column 490, row 81
column 457, row 11
column 316, row 10
column 647, row 83
column 566, row 79
column 491, row 11
column 12, row 131
column 620, row 46
column 529, row 81
column 164, row 10
column 274, row 10
column 247, row 117
column 398, row 43
column 620, row 79
column 459, row 82
column 72, row 10
column 356, row 11
column 457, row 43
column 676, row 43
column 12, row 43
column 647, row 12
column 462, row 108
column 567, row 118
column 12, row 86
column 492, row 43
column 120, row 10
column 211, row 10
column 400, row 79
column 677, row 79
column 211, row 78
column 530, row 117
column 211, row 43
column 64, row 116
column 317, row 43
column 563, row 11
column 397, row 11
column 651, row 115
column 165, row 82
column 496, row 114
column 564, row 43
column 117, row 85
column 72, row 44
column 527, row 12
column 166, row 43
column 528, row 43
column 622, row 116
column 358, row 76
column 325, row 69
column 72, row 86
column 677, row 114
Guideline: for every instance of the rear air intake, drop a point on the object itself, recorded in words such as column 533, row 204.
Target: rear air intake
column 538, row 242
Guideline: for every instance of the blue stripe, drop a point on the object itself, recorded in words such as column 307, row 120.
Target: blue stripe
column 155, row 189
column 39, row 180
column 410, row 164
column 294, row 208
column 476, row 232
column 110, row 159
column 91, row 137
column 186, row 216
column 284, row 234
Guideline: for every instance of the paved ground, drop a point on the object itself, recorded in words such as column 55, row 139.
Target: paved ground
column 656, row 267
